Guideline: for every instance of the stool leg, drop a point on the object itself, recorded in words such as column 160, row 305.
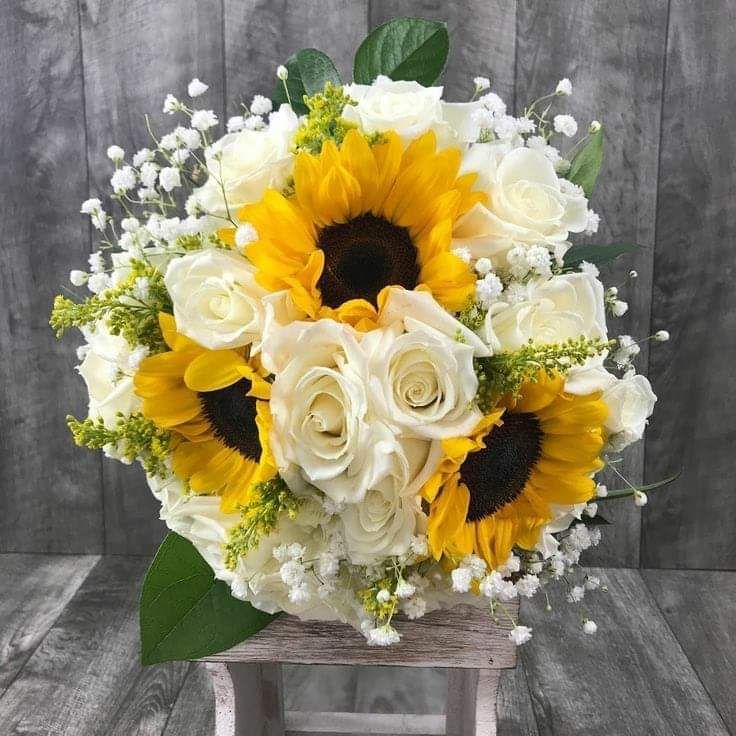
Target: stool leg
column 471, row 702
column 248, row 699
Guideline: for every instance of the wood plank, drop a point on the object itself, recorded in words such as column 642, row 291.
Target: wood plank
column 36, row 588
column 694, row 270
column 261, row 34
column 514, row 707
column 364, row 723
column 134, row 54
column 617, row 79
column 698, row 606
column 194, row 710
column 46, row 506
column 85, row 674
column 482, row 40
column 469, row 639
column 632, row 673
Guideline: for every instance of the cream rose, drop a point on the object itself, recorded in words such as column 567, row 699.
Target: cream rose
column 527, row 204
column 323, row 434
column 410, row 109
column 107, row 371
column 217, row 302
column 243, row 165
column 630, row 402
column 565, row 306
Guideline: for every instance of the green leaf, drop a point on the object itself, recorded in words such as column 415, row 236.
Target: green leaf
column 626, row 492
column 404, row 48
column 587, row 163
column 309, row 71
column 596, row 520
column 185, row 613
column 597, row 254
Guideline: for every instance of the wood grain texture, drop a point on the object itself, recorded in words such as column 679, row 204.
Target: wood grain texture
column 85, row 674
column 515, row 712
column 631, row 678
column 469, row 639
column 134, row 54
column 691, row 525
column 482, row 40
column 194, row 710
column 261, row 34
column 36, row 588
column 698, row 606
column 51, row 498
column 617, row 79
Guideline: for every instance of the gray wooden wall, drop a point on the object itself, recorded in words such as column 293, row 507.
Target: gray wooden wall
column 77, row 76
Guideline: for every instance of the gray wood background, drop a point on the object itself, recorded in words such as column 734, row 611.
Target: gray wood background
column 77, row 76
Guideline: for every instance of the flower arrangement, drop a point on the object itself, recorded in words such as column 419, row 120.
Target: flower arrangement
column 364, row 368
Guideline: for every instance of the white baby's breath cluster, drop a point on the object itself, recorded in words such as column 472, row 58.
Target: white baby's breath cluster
column 360, row 417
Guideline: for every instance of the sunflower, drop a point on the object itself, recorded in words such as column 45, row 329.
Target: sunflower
column 209, row 399
column 361, row 218
column 493, row 490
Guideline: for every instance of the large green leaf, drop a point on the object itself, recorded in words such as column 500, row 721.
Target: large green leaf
column 597, row 254
column 403, row 48
column 185, row 613
column 587, row 163
column 309, row 71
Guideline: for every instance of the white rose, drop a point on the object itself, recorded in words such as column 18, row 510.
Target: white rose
column 245, row 164
column 217, row 302
column 630, row 401
column 565, row 306
column 527, row 205
column 108, row 374
column 410, row 109
column 423, row 381
column 322, row 432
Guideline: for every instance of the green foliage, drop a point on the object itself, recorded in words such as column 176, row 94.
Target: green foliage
column 134, row 438
column 628, row 492
column 587, row 163
column 596, row 254
column 185, row 613
column 473, row 316
column 504, row 373
column 403, row 48
column 124, row 313
column 309, row 71
column 260, row 518
column 324, row 119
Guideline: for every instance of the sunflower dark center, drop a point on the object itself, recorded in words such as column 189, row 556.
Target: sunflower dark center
column 364, row 255
column 496, row 474
column 232, row 416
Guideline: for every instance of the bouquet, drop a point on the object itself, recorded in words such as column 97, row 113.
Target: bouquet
column 365, row 370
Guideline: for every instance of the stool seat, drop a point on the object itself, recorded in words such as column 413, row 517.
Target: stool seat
column 248, row 684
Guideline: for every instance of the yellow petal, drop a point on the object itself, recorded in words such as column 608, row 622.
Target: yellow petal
column 213, row 370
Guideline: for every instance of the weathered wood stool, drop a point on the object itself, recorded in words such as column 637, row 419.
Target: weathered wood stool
column 248, row 689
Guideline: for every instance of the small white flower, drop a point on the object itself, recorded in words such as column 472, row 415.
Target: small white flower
column 180, row 156
column 601, row 490
column 539, row 260
column 98, row 282
column 592, row 223
column 619, row 308
column 149, row 174
column 78, row 278
column 461, row 579
column 528, row 585
column 261, row 105
column 116, row 154
column 170, row 178
column 292, row 573
column 296, row 551
column 245, row 234
column 594, row 127
column 383, row 636
column 190, row 138
column 171, row 104
column 589, row 268
column 204, row 119
column 494, row 103
column 140, row 157
column 507, row 591
column 483, row 266
column 383, row 596
column 633, row 274
column 488, row 289
column 99, row 219
column 564, row 87
column 147, row 194
column 483, row 118
column 130, row 224
column 512, row 565
column 235, row 124
column 589, row 627
column 89, row 206
column 640, row 498
column 141, row 288
column 576, row 594
column 96, row 262
column 557, row 567
column 282, row 72
column 419, row 545
column 196, row 88
column 661, row 336
column 191, row 206
column 169, row 142
column 591, row 510
column 520, row 635
column 462, row 253
column 592, row 582
column 481, row 83
column 405, row 590
column 254, row 122
column 565, row 124
column 123, row 179
column 595, row 537
column 476, row 565
column 415, row 607
column 280, row 553
column 299, row 593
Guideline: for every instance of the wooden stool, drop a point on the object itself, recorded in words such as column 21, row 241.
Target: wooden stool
column 248, row 689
